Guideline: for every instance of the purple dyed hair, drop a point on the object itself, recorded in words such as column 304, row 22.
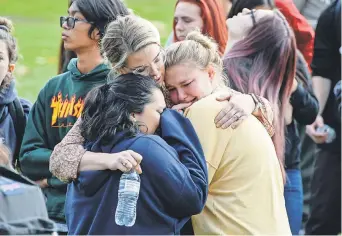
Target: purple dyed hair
column 264, row 63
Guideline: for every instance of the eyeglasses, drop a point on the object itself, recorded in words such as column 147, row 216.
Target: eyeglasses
column 70, row 21
column 158, row 61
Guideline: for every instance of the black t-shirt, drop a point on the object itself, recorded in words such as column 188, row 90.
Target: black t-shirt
column 327, row 63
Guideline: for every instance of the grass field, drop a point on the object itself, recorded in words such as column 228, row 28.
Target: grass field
column 37, row 29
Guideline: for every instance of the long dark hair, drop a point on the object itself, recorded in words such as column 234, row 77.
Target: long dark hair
column 239, row 5
column 108, row 108
column 264, row 63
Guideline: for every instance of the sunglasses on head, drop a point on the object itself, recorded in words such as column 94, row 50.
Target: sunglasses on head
column 252, row 13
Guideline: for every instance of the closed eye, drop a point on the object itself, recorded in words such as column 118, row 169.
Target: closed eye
column 187, row 19
column 139, row 70
column 157, row 60
column 187, row 84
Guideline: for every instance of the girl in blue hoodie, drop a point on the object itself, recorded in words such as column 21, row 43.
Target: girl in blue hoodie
column 126, row 114
column 13, row 110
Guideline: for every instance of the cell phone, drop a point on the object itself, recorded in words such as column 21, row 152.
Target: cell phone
column 322, row 130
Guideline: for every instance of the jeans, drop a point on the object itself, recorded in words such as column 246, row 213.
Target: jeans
column 293, row 194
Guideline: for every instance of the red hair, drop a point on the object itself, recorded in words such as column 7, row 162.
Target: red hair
column 214, row 24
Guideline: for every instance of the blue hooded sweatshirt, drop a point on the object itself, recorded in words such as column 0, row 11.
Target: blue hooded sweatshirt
column 174, row 183
column 7, row 130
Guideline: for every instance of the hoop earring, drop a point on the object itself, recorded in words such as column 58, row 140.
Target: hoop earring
column 142, row 124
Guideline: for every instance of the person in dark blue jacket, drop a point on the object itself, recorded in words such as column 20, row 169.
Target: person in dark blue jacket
column 126, row 114
column 13, row 110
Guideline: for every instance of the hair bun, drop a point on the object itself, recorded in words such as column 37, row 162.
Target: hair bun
column 6, row 24
column 205, row 41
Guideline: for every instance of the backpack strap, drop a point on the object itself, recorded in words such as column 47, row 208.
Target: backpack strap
column 11, row 174
column 19, row 120
column 3, row 117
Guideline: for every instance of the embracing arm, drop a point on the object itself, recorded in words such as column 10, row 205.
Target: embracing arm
column 69, row 157
column 264, row 114
column 66, row 156
column 240, row 106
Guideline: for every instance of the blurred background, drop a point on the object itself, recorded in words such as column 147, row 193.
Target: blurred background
column 37, row 30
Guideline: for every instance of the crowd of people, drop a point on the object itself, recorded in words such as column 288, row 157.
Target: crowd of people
column 234, row 127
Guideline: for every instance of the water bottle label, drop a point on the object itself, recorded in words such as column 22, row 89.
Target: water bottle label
column 131, row 186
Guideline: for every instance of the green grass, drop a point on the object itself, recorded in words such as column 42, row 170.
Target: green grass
column 37, row 30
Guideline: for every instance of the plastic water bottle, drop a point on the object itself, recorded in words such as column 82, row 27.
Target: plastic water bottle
column 331, row 133
column 126, row 210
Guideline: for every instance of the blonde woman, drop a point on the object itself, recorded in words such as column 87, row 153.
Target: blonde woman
column 245, row 178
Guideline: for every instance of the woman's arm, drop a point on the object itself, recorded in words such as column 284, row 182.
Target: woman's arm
column 240, row 106
column 69, row 157
column 264, row 114
column 66, row 156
